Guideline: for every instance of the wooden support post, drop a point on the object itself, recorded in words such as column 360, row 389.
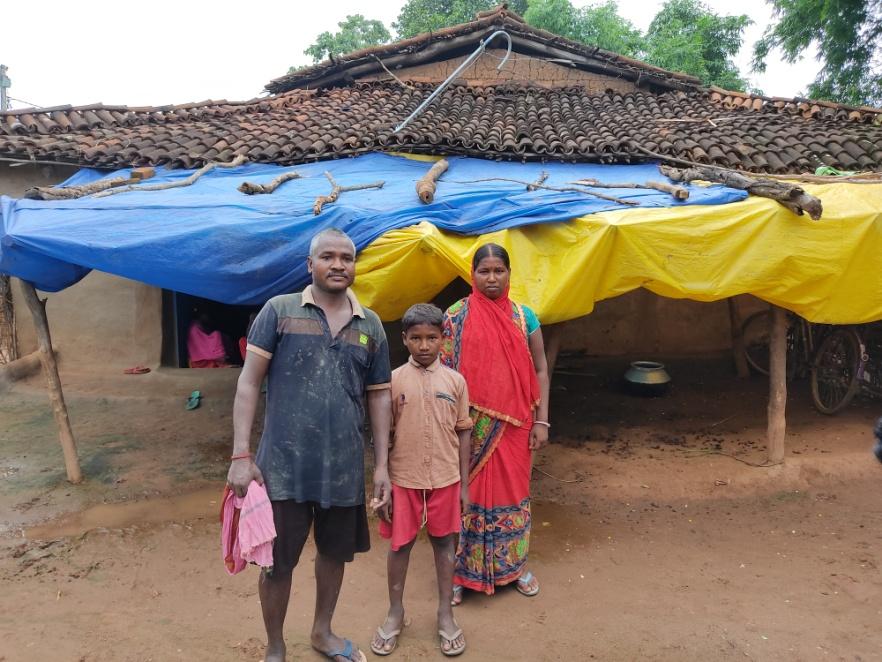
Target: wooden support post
column 56, row 396
column 735, row 322
column 553, row 337
column 777, row 425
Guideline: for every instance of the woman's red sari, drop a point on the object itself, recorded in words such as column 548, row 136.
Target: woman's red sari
column 486, row 341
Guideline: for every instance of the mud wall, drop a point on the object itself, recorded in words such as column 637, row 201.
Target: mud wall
column 519, row 68
column 642, row 325
column 103, row 322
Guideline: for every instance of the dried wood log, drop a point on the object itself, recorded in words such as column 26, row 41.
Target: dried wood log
column 559, row 189
column 427, row 184
column 336, row 190
column 73, row 192
column 539, row 181
column 679, row 192
column 37, row 307
column 791, row 196
column 256, row 189
column 208, row 167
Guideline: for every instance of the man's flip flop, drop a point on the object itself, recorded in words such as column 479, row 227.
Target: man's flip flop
column 450, row 638
column 385, row 636
column 346, row 652
column 524, row 581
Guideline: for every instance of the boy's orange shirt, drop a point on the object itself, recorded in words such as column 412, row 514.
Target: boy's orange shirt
column 429, row 406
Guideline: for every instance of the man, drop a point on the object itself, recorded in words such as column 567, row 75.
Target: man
column 323, row 353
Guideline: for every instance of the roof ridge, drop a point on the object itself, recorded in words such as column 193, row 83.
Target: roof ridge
column 434, row 44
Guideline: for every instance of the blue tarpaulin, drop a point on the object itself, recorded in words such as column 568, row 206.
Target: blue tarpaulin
column 212, row 241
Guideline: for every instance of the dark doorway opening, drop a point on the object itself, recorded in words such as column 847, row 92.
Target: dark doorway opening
column 181, row 311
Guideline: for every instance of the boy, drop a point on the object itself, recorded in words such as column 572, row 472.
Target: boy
column 429, row 468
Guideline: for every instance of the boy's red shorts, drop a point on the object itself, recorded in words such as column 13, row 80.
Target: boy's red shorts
column 439, row 509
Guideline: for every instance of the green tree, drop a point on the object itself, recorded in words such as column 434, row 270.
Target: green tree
column 601, row 25
column 847, row 34
column 557, row 16
column 355, row 32
column 418, row 16
column 687, row 36
column 594, row 25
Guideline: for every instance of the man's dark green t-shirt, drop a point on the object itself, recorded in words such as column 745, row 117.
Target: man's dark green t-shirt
column 312, row 448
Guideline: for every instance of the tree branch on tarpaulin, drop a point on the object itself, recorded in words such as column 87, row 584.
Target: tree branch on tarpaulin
column 257, row 189
column 532, row 186
column 336, row 190
column 208, row 167
column 791, row 196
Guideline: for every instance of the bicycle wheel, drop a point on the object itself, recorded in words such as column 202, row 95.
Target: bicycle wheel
column 755, row 333
column 835, row 371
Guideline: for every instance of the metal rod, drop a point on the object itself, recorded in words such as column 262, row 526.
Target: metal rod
column 471, row 58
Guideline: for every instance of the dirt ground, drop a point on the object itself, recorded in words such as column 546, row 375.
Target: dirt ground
column 650, row 541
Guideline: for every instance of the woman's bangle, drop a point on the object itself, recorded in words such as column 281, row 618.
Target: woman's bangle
column 545, row 423
column 240, row 456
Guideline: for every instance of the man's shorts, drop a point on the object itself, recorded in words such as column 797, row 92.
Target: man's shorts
column 438, row 510
column 339, row 531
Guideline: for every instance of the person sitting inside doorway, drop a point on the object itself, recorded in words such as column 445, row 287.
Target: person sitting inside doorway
column 205, row 344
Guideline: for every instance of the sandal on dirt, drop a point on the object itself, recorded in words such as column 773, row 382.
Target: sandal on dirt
column 523, row 582
column 194, row 400
column 450, row 638
column 348, row 652
column 137, row 370
column 458, row 592
column 385, row 636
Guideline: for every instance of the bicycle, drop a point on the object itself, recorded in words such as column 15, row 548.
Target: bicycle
column 848, row 363
column 755, row 331
column 842, row 361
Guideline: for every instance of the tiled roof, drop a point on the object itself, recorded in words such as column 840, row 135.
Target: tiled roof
column 464, row 38
column 508, row 121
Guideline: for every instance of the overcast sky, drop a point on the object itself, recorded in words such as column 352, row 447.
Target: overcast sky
column 166, row 52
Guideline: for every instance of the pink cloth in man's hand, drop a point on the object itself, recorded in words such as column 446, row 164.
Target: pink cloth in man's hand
column 248, row 530
column 203, row 346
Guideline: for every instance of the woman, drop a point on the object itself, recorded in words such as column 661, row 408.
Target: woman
column 496, row 344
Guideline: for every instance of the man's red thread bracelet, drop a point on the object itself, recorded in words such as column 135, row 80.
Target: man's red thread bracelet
column 240, row 456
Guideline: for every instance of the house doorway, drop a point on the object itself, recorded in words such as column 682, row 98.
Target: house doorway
column 181, row 311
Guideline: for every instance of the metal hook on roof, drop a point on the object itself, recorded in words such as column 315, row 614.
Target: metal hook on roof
column 471, row 58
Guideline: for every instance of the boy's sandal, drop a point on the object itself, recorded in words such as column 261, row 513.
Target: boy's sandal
column 458, row 592
column 450, row 639
column 385, row 636
column 348, row 651
column 523, row 584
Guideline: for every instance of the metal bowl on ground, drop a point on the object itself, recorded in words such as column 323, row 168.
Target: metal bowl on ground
column 647, row 378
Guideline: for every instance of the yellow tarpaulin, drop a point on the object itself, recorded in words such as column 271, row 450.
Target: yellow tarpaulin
column 827, row 271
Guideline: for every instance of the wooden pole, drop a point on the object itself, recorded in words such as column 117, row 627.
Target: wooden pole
column 553, row 338
column 37, row 307
column 735, row 322
column 777, row 425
